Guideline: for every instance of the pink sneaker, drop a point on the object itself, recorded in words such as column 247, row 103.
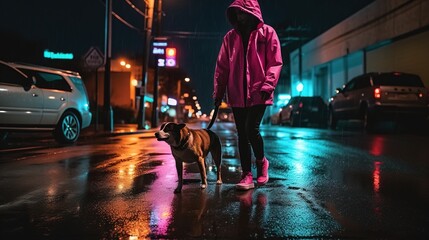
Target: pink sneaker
column 246, row 181
column 262, row 170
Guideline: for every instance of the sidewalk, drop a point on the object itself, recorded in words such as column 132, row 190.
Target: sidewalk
column 124, row 129
column 118, row 129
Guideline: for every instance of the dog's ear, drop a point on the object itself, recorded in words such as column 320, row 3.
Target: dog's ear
column 181, row 125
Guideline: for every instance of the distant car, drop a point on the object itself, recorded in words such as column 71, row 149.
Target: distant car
column 373, row 96
column 303, row 111
column 36, row 98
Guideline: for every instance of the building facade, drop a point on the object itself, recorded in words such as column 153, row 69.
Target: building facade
column 385, row 36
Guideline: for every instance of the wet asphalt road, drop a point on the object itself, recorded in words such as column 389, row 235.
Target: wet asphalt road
column 323, row 184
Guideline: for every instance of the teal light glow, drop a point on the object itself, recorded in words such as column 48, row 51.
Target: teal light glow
column 58, row 55
column 148, row 99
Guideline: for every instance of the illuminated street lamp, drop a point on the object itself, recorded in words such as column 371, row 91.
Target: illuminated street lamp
column 179, row 93
column 299, row 88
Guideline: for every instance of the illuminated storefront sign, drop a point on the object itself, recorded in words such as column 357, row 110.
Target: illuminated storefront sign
column 57, row 55
column 164, row 55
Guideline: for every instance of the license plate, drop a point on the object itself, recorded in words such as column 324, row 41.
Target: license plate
column 403, row 97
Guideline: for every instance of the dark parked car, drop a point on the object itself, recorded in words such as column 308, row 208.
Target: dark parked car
column 374, row 96
column 302, row 111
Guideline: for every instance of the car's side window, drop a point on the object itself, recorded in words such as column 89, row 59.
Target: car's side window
column 350, row 86
column 49, row 80
column 293, row 101
column 362, row 82
column 10, row 76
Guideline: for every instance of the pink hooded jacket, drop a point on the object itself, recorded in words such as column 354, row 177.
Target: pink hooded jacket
column 264, row 61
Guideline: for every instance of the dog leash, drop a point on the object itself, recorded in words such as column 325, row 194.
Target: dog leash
column 213, row 117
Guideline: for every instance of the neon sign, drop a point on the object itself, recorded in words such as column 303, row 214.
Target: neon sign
column 57, row 55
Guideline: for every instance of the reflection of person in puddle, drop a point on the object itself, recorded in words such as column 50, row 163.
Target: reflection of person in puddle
column 247, row 210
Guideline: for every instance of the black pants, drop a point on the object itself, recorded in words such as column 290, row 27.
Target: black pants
column 247, row 122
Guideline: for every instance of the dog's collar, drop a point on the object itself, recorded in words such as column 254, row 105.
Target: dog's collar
column 182, row 145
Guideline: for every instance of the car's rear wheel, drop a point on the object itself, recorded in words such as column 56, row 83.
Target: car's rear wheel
column 368, row 120
column 294, row 121
column 332, row 120
column 68, row 128
column 280, row 120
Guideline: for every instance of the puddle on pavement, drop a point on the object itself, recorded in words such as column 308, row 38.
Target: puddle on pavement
column 143, row 182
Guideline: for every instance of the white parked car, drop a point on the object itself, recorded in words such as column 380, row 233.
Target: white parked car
column 36, row 98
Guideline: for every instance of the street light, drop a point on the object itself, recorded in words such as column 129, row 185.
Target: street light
column 299, row 88
column 179, row 96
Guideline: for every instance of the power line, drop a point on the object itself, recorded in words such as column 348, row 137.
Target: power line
column 136, row 8
column 194, row 35
column 125, row 22
column 122, row 20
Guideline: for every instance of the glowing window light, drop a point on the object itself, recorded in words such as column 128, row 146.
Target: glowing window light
column 171, row 101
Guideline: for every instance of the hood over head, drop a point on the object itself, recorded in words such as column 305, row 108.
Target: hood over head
column 250, row 6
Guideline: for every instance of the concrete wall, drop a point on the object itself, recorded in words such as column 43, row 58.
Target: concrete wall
column 407, row 55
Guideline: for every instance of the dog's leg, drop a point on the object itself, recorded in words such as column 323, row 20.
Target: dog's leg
column 203, row 173
column 216, row 152
column 179, row 168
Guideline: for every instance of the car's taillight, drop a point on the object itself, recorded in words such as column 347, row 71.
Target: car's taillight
column 377, row 93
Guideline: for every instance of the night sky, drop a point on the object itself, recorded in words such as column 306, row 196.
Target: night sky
column 75, row 26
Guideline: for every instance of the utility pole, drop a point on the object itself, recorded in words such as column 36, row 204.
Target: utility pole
column 108, row 122
column 157, row 31
column 147, row 26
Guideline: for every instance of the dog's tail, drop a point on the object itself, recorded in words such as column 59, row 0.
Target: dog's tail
column 213, row 117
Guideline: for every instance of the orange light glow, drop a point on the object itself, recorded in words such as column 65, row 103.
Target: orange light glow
column 134, row 82
column 171, row 52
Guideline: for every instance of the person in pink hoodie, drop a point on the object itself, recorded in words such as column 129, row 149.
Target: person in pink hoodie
column 247, row 71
